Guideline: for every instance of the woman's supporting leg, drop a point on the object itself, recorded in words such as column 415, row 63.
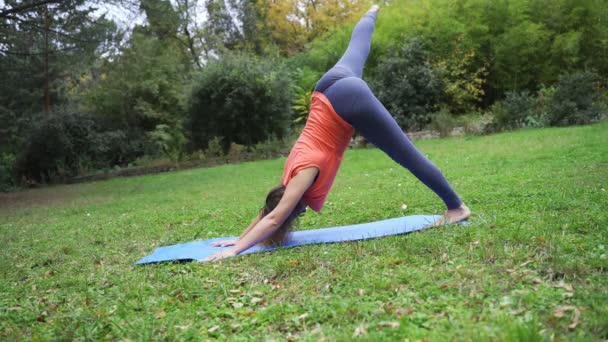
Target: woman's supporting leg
column 354, row 102
column 352, row 61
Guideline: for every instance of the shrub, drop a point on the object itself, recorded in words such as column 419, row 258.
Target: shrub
column 7, row 171
column 170, row 140
column 236, row 153
column 59, row 145
column 269, row 148
column 576, row 100
column 214, row 147
column 242, row 99
column 65, row 144
column 515, row 111
column 409, row 88
column 476, row 123
column 443, row 122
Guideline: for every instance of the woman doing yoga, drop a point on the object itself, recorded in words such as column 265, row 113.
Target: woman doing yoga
column 341, row 103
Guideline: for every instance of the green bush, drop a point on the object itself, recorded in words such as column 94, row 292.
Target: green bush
column 269, row 148
column 170, row 141
column 65, row 144
column 242, row 99
column 517, row 110
column 7, row 171
column 444, row 122
column 577, row 100
column 58, row 146
column 475, row 123
column 409, row 88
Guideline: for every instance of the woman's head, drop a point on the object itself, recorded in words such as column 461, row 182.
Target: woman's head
column 279, row 237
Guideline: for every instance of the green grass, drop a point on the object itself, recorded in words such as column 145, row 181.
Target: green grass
column 533, row 259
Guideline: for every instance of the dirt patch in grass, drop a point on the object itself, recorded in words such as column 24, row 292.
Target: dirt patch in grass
column 45, row 197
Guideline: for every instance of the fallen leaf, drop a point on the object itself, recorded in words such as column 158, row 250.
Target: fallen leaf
column 360, row 331
column 317, row 330
column 256, row 300
column 516, row 312
column 506, row 301
column 160, row 313
column 389, row 325
column 237, row 305
column 577, row 315
column 302, row 316
column 235, row 291
column 404, row 312
column 42, row 317
column 214, row 328
column 361, row 292
column 562, row 285
column 559, row 312
column 526, row 263
column 294, row 262
column 183, row 327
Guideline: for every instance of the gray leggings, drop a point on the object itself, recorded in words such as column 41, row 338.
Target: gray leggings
column 356, row 104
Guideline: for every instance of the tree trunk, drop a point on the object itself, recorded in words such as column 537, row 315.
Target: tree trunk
column 47, row 99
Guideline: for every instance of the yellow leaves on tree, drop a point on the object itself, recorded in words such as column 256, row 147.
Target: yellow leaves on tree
column 293, row 23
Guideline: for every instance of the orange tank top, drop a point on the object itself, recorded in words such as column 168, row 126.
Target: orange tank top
column 321, row 144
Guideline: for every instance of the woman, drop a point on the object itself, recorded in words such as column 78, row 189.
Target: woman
column 341, row 103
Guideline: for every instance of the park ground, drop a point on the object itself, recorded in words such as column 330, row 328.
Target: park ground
column 532, row 264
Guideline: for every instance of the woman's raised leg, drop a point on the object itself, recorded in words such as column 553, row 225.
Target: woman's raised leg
column 352, row 61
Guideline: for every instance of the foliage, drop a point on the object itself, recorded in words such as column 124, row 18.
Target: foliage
column 7, row 171
column 45, row 49
column 577, row 100
column 171, row 141
column 142, row 87
column 516, row 111
column 463, row 80
column 301, row 104
column 214, row 147
column 475, row 123
column 521, row 56
column 444, row 122
column 407, row 85
column 293, row 23
column 58, row 146
column 241, row 98
column 66, row 143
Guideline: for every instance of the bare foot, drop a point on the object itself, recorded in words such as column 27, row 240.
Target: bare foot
column 374, row 8
column 454, row 215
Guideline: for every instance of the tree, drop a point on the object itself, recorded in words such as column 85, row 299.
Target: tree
column 240, row 99
column 294, row 23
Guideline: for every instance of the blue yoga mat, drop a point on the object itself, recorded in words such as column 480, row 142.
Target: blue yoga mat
column 198, row 250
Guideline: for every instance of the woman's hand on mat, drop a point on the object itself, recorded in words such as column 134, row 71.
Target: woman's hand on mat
column 224, row 243
column 227, row 253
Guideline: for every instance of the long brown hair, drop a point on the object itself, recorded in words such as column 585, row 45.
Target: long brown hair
column 280, row 236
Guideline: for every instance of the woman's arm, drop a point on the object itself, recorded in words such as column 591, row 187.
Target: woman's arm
column 227, row 243
column 271, row 222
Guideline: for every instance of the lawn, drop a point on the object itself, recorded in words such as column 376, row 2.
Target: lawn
column 532, row 265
